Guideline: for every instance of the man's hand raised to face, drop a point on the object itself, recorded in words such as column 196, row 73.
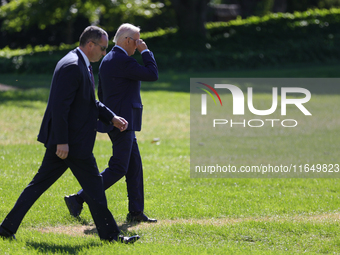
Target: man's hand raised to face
column 141, row 45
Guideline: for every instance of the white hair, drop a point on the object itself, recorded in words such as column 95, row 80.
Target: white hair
column 125, row 30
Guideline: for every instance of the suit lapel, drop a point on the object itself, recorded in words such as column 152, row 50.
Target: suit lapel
column 82, row 65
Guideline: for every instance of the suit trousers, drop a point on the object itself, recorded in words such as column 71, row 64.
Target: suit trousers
column 125, row 161
column 87, row 174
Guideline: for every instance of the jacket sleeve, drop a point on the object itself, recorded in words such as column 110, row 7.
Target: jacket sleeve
column 148, row 72
column 105, row 114
column 64, row 91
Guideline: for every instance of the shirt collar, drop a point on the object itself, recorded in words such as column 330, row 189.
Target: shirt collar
column 116, row 46
column 87, row 61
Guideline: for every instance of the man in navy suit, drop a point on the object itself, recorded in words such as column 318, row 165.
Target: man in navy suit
column 120, row 78
column 68, row 131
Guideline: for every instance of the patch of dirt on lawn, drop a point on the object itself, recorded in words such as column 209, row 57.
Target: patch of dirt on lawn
column 84, row 230
column 4, row 87
column 71, row 230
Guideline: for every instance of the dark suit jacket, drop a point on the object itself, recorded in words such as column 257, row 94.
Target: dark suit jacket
column 120, row 79
column 72, row 110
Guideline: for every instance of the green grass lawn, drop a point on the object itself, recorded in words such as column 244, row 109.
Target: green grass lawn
column 196, row 216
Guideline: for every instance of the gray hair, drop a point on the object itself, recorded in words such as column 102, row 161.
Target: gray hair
column 125, row 30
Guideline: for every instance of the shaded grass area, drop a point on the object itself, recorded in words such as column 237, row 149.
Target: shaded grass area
column 179, row 81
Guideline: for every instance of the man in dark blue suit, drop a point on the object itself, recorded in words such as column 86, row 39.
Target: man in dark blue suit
column 68, row 131
column 120, row 78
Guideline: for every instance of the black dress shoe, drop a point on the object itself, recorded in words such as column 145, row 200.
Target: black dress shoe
column 141, row 217
column 73, row 206
column 5, row 234
column 126, row 239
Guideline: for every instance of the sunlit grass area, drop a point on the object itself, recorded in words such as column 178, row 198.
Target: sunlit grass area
column 195, row 216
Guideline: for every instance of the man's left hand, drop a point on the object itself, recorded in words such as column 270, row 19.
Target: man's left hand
column 120, row 123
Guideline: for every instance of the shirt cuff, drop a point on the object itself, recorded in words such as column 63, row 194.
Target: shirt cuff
column 146, row 50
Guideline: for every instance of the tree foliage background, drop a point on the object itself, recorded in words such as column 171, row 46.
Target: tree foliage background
column 62, row 21
column 40, row 22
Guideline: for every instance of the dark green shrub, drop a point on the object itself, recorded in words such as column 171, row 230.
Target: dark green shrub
column 274, row 39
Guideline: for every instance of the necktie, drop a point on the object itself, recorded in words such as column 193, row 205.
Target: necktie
column 92, row 77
